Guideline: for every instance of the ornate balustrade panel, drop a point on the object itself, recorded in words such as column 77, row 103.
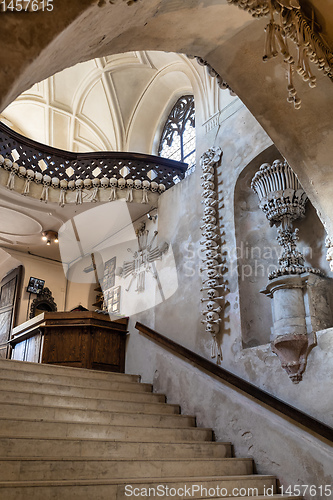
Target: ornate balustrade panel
column 70, row 166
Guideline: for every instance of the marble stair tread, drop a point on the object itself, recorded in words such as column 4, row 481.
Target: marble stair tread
column 43, row 446
column 148, row 405
column 70, row 371
column 66, row 390
column 36, row 427
column 105, row 417
column 73, row 382
column 101, row 468
column 115, row 489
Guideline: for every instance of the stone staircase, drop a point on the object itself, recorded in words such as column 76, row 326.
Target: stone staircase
column 73, row 434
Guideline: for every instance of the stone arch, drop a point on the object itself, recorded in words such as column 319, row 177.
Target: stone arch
column 228, row 38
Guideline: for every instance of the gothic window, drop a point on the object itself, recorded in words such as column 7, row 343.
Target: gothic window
column 178, row 136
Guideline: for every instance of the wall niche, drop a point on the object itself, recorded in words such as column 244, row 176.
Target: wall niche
column 257, row 252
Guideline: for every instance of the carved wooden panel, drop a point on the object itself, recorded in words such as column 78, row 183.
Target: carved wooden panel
column 9, row 288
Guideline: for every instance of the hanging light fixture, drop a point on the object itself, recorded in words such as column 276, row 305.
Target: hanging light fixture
column 50, row 236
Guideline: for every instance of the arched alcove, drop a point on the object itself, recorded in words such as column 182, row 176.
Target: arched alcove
column 258, row 252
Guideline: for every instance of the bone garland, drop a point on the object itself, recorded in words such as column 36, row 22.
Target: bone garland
column 211, row 268
column 329, row 254
column 45, row 192
column 14, row 168
column 63, row 189
column 293, row 24
column 79, row 186
column 211, row 71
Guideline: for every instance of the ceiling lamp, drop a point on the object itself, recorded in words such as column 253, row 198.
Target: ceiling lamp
column 50, row 237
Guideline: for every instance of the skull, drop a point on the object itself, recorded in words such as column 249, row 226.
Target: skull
column 30, row 174
column 208, row 169
column 121, row 183
column 63, row 184
column 207, row 176
column 209, row 219
column 209, row 202
column 129, row 183
column 210, row 227
column 277, row 163
column 209, row 243
column 154, row 186
column 22, row 172
column 212, row 283
column 105, row 182
column 212, row 328
column 208, row 185
column 7, row 164
column 1, row 160
column 46, row 180
column 55, row 182
column 212, row 316
column 38, row 177
column 212, row 273
column 210, row 254
column 137, row 184
column 96, row 182
column 211, row 305
column 71, row 185
column 79, row 183
column 210, row 235
column 15, row 168
column 212, row 294
column 212, row 262
column 208, row 193
column 209, row 211
column 113, row 182
column 161, row 188
column 87, row 183
column 146, row 185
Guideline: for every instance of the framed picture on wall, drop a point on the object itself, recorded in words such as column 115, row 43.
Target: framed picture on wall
column 109, row 274
column 113, row 300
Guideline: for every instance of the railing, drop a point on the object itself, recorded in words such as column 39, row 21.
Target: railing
column 73, row 166
column 255, row 392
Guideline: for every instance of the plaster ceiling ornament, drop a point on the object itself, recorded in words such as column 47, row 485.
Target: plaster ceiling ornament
column 293, row 24
column 143, row 259
column 211, row 256
column 283, row 200
column 45, row 191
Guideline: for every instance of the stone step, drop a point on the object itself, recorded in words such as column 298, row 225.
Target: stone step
column 63, row 381
column 69, row 468
column 50, row 413
column 42, row 368
column 34, row 428
column 57, row 447
column 115, row 489
column 135, row 405
column 55, row 369
column 63, row 390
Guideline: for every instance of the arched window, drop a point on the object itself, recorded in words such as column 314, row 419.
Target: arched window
column 178, row 136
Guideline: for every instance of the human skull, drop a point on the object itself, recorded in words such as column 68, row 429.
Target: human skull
column 63, row 184
column 209, row 227
column 212, row 316
column 121, row 183
column 211, row 305
column 15, row 168
column 212, row 273
column 208, row 176
column 96, row 182
column 209, row 202
column 30, row 174
column 209, row 193
column 212, row 263
column 38, row 177
column 209, row 243
column 71, row 185
column 137, row 184
column 129, row 183
column 209, row 211
column 212, row 294
column 22, row 172
column 79, row 183
column 212, row 328
column 154, row 186
column 210, row 235
column 105, row 182
column 209, row 219
column 161, row 188
column 1, row 160
column 7, row 164
column 46, row 180
column 210, row 254
column 146, row 185
column 113, row 182
column 87, row 183
column 55, row 182
column 208, row 185
column 212, row 283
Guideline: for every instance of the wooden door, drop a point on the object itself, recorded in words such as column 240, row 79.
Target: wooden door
column 9, row 294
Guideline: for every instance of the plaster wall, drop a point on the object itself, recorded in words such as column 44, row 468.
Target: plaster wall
column 242, row 140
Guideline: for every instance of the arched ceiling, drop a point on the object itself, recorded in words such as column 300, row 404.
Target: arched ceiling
column 107, row 103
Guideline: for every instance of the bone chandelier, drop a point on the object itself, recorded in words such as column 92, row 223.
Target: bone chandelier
column 292, row 23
